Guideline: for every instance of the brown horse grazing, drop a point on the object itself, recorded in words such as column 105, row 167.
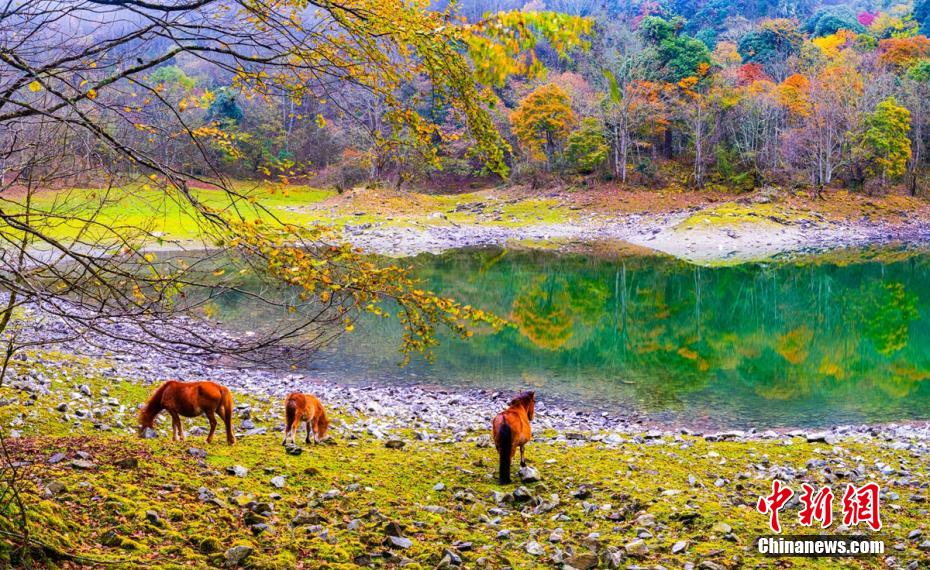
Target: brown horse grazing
column 189, row 399
column 511, row 429
column 304, row 407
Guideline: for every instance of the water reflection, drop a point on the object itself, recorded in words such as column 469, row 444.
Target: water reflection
column 830, row 340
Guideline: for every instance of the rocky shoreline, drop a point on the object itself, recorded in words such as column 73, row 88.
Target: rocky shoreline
column 382, row 409
column 657, row 232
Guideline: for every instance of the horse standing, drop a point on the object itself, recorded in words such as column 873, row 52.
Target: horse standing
column 511, row 429
column 304, row 407
column 189, row 399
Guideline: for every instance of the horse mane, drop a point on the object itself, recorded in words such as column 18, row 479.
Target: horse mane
column 152, row 406
column 523, row 399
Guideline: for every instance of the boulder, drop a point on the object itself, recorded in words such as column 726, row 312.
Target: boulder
column 236, row 555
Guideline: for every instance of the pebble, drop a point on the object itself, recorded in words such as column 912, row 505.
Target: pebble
column 237, row 470
column 399, row 542
column 534, row 548
column 584, row 561
column 127, row 463
column 636, row 548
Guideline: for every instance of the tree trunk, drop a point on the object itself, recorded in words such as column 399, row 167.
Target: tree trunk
column 623, row 153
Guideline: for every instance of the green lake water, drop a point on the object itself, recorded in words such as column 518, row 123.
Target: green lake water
column 836, row 338
column 842, row 338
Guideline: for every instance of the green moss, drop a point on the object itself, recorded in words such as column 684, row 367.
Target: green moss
column 129, row 544
column 210, row 545
column 282, row 561
column 734, row 214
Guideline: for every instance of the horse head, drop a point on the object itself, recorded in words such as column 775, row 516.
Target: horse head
column 527, row 400
column 321, row 428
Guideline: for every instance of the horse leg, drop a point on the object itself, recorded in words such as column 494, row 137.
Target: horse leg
column 211, row 415
column 308, row 430
column 292, row 430
column 522, row 459
column 175, row 425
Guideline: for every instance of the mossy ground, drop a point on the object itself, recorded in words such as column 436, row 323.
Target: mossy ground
column 107, row 505
column 733, row 214
column 165, row 215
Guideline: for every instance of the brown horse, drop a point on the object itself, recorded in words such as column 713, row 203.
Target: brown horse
column 189, row 399
column 304, row 407
column 511, row 429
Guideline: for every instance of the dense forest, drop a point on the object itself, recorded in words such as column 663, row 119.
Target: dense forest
column 738, row 95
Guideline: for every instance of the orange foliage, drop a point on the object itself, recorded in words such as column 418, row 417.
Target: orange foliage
column 902, row 53
column 794, row 94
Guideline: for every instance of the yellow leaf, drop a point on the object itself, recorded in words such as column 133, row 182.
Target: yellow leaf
column 92, row 94
column 35, row 86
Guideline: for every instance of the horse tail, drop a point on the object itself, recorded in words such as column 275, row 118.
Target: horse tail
column 227, row 409
column 153, row 405
column 504, row 448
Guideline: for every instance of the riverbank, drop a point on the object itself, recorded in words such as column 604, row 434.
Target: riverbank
column 408, row 478
column 707, row 227
column 710, row 231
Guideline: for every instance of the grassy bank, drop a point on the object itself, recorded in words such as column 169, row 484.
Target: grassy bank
column 166, row 215
column 145, row 206
column 109, row 496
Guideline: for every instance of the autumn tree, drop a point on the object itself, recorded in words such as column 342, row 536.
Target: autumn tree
column 542, row 122
column 756, row 125
column 586, row 148
column 884, row 142
column 902, row 53
column 696, row 109
column 916, row 98
column 630, row 101
column 829, row 107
